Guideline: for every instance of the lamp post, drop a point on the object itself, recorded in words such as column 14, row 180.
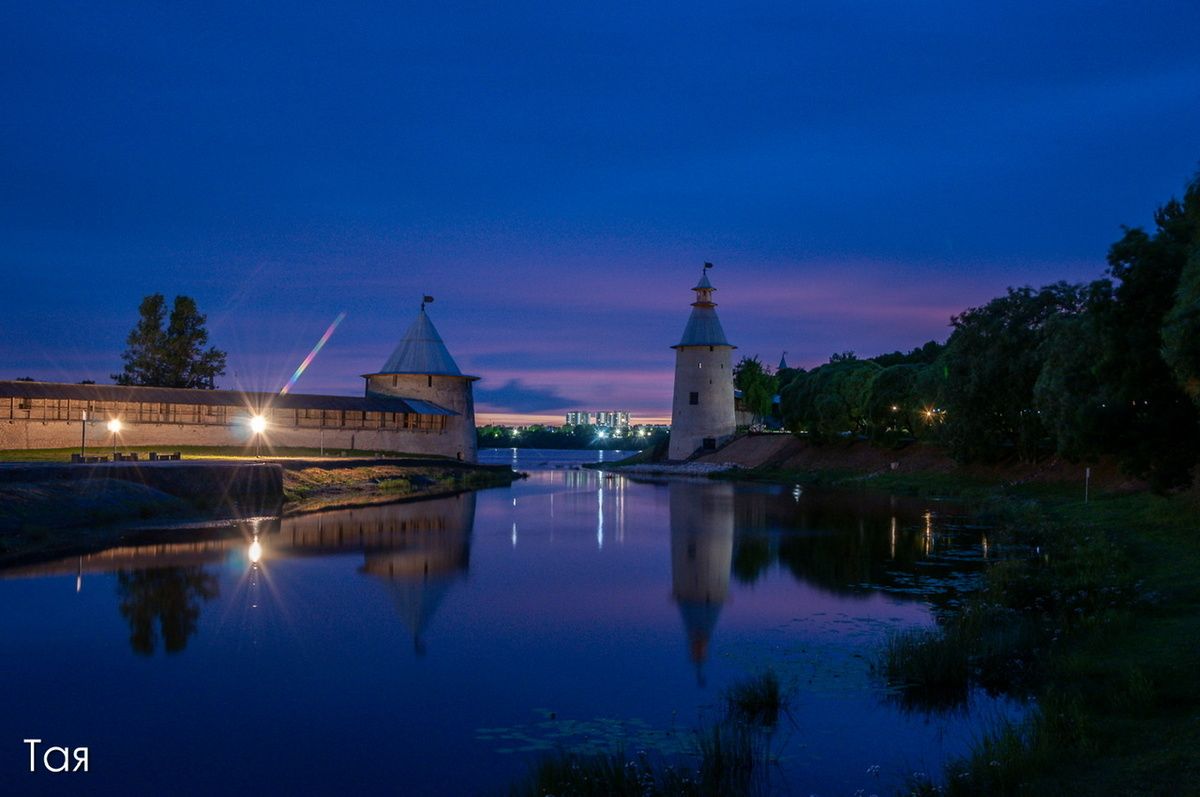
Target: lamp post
column 83, row 434
column 114, row 426
column 258, row 425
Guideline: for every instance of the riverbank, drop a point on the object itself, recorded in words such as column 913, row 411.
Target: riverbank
column 1096, row 629
column 51, row 508
column 915, row 468
column 317, row 485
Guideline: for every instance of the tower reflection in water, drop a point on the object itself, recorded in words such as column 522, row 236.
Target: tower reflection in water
column 701, row 559
column 417, row 550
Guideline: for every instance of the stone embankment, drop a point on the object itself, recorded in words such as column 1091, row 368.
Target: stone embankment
column 48, row 495
column 58, row 507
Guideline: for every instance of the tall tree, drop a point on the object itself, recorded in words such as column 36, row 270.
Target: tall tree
column 992, row 361
column 893, row 405
column 758, row 387
column 1152, row 423
column 172, row 357
column 831, row 400
column 1181, row 327
column 1069, row 397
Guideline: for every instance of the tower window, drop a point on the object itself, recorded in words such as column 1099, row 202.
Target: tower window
column 699, row 365
column 430, row 378
column 710, row 348
column 395, row 380
column 693, row 398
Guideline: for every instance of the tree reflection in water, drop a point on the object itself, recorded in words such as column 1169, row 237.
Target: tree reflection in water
column 166, row 597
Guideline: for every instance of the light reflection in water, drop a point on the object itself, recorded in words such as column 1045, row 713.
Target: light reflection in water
column 554, row 611
column 600, row 516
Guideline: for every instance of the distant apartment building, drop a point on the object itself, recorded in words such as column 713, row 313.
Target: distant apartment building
column 608, row 420
column 613, row 420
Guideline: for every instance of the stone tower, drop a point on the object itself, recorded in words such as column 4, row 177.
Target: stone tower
column 702, row 410
column 422, row 372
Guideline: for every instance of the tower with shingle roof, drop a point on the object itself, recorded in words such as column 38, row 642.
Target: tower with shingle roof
column 702, row 411
column 422, row 372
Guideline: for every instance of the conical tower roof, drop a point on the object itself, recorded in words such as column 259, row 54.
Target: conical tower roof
column 421, row 351
column 783, row 362
column 703, row 327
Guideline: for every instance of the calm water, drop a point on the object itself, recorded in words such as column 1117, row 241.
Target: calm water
column 436, row 647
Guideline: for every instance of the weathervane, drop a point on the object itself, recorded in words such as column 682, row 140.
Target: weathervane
column 707, row 266
column 426, row 300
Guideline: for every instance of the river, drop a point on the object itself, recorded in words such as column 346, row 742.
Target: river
column 441, row 646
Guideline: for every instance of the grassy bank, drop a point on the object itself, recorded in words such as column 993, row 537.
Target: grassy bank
column 43, row 515
column 1095, row 618
column 1099, row 626
column 314, row 489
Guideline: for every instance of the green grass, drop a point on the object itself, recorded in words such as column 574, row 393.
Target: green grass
column 313, row 488
column 756, row 701
column 942, row 485
column 1100, row 625
column 928, row 667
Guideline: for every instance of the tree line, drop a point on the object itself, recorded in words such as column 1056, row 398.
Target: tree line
column 1105, row 368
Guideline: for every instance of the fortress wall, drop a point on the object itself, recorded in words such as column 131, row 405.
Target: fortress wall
column 22, row 434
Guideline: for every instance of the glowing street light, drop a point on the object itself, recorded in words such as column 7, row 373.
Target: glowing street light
column 258, row 425
column 114, row 426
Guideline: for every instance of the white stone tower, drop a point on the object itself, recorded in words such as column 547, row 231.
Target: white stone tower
column 422, row 372
column 702, row 410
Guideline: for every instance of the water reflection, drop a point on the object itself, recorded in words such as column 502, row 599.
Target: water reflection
column 416, row 550
column 163, row 603
column 853, row 543
column 701, row 556
column 844, row 543
column 625, row 609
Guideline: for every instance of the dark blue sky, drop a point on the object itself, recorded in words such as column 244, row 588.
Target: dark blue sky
column 555, row 174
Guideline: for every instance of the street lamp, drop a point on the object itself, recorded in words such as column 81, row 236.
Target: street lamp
column 114, row 426
column 258, row 425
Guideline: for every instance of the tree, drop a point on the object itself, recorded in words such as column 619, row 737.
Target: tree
column 758, row 387
column 171, row 357
column 893, row 405
column 992, row 361
column 1152, row 424
column 1181, row 327
column 830, row 400
column 1068, row 394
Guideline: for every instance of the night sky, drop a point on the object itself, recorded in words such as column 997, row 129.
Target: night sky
column 556, row 174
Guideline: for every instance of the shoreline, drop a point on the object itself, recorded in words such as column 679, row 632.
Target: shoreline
column 51, row 510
